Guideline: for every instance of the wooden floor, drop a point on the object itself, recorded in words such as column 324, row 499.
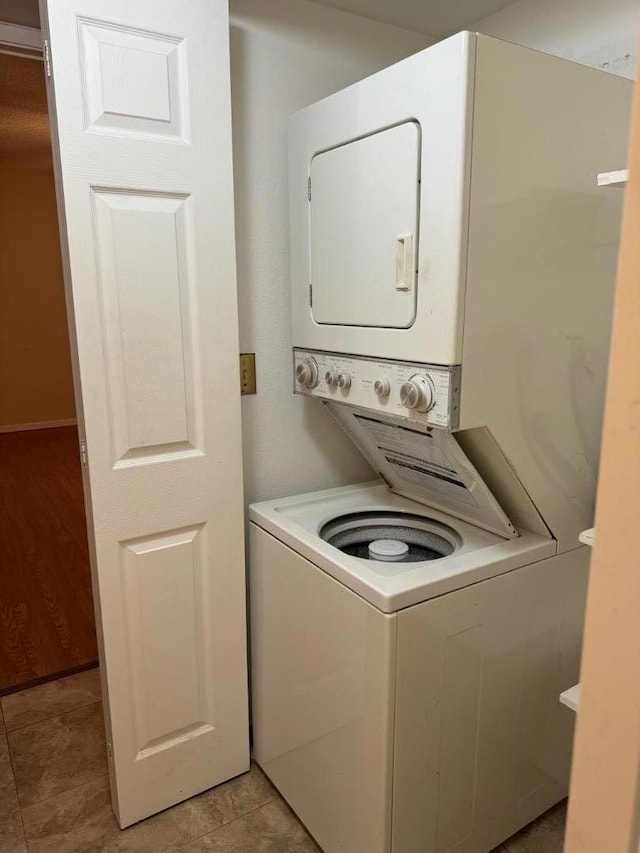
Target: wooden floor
column 47, row 624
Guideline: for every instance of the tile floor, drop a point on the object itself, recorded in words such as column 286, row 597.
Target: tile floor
column 54, row 792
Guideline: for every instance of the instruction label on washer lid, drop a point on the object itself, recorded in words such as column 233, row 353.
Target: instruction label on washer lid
column 427, row 465
column 418, row 460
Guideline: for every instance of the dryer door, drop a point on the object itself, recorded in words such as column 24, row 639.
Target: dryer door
column 364, row 230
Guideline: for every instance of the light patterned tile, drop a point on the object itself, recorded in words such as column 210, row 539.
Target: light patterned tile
column 11, row 835
column 544, row 835
column 51, row 699
column 271, row 829
column 82, row 821
column 58, row 754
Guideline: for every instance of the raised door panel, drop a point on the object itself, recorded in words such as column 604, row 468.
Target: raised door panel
column 149, row 309
column 167, row 638
column 133, row 81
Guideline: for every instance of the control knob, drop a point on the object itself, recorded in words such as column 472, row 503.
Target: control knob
column 307, row 373
column 382, row 387
column 417, row 393
column 344, row 381
column 331, row 378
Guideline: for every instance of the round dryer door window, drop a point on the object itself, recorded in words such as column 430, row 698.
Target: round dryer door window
column 390, row 537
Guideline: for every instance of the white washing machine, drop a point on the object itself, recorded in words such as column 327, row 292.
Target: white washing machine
column 411, row 705
column 453, row 265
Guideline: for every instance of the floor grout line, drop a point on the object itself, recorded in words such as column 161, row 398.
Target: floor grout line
column 272, row 799
column 60, row 793
column 52, row 716
column 15, row 788
column 11, row 759
column 224, row 824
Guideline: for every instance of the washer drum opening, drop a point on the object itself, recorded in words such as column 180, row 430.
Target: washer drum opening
column 410, row 538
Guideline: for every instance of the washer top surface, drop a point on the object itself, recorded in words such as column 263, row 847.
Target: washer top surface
column 470, row 553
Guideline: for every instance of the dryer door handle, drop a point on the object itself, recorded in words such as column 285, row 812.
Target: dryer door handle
column 404, row 262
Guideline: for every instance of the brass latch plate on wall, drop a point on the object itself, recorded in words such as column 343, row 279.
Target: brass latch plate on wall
column 247, row 373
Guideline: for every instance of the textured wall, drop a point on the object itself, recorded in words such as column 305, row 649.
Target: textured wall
column 286, row 54
column 601, row 33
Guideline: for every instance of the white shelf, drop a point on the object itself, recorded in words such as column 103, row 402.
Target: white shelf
column 571, row 697
column 618, row 178
column 587, row 537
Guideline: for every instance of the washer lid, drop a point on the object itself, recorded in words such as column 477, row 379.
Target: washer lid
column 424, row 464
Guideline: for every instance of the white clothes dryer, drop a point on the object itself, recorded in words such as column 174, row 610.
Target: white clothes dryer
column 447, row 232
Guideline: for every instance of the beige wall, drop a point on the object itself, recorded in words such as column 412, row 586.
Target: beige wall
column 35, row 369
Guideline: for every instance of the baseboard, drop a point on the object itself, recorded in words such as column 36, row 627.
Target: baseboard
column 38, row 425
column 53, row 676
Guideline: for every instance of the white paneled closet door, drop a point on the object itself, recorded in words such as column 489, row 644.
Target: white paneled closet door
column 140, row 105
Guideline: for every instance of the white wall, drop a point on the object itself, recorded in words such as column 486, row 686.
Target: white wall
column 286, row 54
column 601, row 33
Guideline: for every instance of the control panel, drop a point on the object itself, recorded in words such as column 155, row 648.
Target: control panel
column 423, row 392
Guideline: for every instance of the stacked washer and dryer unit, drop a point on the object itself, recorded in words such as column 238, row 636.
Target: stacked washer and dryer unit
column 453, row 267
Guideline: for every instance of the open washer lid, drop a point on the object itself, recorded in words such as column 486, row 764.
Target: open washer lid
column 424, row 464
